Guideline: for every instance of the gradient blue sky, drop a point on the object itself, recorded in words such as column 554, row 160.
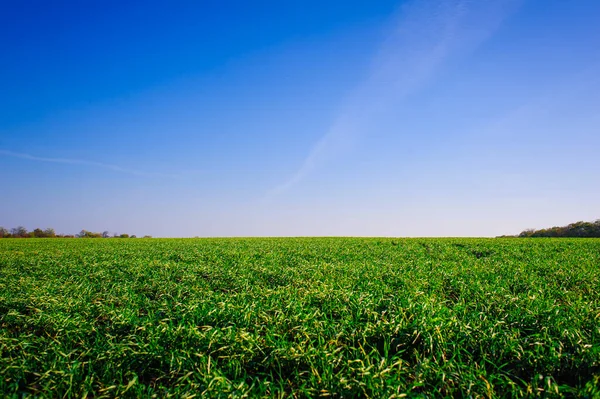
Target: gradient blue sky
column 367, row 118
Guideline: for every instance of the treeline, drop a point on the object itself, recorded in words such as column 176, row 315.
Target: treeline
column 579, row 229
column 21, row 232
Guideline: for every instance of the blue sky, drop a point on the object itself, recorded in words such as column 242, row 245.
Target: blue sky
column 387, row 118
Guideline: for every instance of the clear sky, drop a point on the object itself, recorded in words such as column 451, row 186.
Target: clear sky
column 271, row 118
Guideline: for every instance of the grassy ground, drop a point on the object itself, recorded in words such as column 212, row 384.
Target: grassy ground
column 300, row 317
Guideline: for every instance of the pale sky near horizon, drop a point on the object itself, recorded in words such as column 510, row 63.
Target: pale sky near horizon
column 344, row 118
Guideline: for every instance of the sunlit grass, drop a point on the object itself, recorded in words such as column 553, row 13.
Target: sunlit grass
column 335, row 317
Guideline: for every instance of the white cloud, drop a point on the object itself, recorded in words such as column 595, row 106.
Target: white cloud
column 424, row 35
column 68, row 161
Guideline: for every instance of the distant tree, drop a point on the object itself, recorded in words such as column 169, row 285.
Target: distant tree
column 19, row 231
column 38, row 233
column 88, row 234
column 577, row 229
column 527, row 233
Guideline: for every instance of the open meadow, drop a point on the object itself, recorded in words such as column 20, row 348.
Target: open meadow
column 300, row 317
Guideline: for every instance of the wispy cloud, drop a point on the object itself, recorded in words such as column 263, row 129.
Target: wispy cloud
column 69, row 161
column 423, row 37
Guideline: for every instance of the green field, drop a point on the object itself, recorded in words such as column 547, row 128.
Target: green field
column 339, row 317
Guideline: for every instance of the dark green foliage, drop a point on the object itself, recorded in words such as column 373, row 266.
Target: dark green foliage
column 338, row 317
column 579, row 229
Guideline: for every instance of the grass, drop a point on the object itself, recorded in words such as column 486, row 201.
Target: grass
column 339, row 317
